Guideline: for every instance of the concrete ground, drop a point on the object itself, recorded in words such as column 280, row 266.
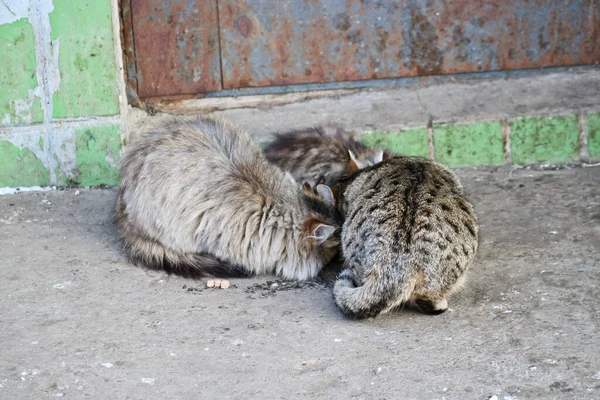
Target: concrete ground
column 78, row 321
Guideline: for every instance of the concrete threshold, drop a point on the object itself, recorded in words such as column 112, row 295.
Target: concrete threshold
column 453, row 100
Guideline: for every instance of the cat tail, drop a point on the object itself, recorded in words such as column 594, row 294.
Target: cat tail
column 151, row 254
column 375, row 296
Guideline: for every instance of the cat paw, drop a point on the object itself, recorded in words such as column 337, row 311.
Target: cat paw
column 432, row 307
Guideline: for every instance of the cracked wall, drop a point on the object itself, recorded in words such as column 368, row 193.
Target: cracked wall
column 59, row 79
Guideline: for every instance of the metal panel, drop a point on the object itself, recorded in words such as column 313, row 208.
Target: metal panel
column 267, row 43
column 176, row 46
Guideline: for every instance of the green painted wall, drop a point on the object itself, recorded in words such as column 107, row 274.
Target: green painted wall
column 533, row 140
column 410, row 141
column 86, row 59
column 469, row 145
column 18, row 81
column 21, row 167
column 594, row 136
column 98, row 153
column 544, row 139
column 79, row 142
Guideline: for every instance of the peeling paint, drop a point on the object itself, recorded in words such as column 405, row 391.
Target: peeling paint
column 47, row 75
column 86, row 61
column 31, row 141
column 21, row 166
column 110, row 159
column 47, row 71
column 63, row 154
column 24, row 108
column 51, row 153
column 13, row 10
column 83, row 153
column 46, row 57
column 98, row 151
column 19, row 97
column 46, row 52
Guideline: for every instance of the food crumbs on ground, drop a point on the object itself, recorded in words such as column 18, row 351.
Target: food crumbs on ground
column 210, row 283
column 225, row 284
column 270, row 288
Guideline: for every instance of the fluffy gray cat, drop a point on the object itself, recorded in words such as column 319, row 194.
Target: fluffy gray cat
column 198, row 197
column 409, row 235
column 321, row 155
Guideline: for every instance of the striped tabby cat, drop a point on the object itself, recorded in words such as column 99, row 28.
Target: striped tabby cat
column 409, row 236
column 321, row 155
column 198, row 197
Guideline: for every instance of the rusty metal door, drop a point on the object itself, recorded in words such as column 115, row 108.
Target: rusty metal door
column 188, row 48
column 176, row 45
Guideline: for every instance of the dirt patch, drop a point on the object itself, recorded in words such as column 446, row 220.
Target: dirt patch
column 271, row 287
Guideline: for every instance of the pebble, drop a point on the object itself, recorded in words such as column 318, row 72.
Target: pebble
column 225, row 284
column 210, row 283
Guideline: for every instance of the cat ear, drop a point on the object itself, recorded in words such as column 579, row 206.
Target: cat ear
column 353, row 164
column 307, row 188
column 331, row 243
column 326, row 193
column 378, row 157
column 321, row 232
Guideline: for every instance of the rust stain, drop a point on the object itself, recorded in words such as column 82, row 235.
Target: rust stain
column 341, row 22
column 461, row 42
column 426, row 58
column 176, row 47
column 131, row 84
column 382, row 39
column 178, row 43
column 244, row 25
column 229, row 15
